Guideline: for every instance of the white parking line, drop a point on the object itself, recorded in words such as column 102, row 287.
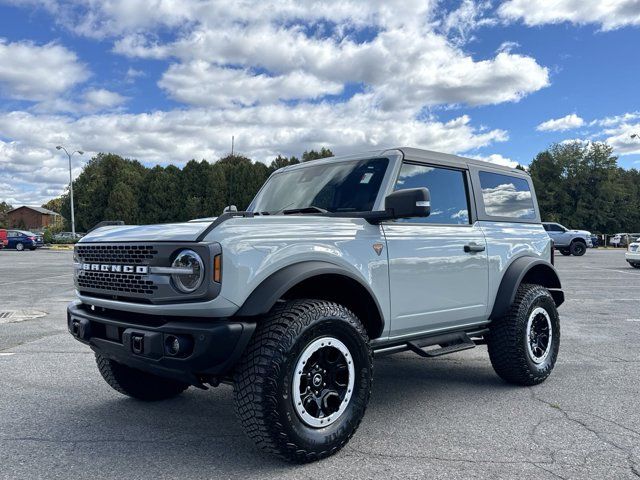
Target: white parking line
column 6, row 354
column 608, row 270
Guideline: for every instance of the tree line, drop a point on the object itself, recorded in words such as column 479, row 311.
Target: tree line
column 579, row 185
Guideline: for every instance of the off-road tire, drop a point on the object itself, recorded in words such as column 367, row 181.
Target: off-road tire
column 507, row 341
column 136, row 383
column 578, row 249
column 635, row 265
column 263, row 379
column 566, row 252
column 19, row 246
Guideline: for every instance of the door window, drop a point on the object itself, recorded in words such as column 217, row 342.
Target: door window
column 449, row 199
column 506, row 196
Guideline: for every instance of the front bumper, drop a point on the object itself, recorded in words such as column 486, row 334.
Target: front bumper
column 632, row 257
column 210, row 347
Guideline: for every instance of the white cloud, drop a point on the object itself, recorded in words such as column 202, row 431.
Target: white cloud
column 101, row 99
column 567, row 122
column 38, row 72
column 610, row 15
column 616, row 119
column 261, row 132
column 201, row 83
column 259, row 70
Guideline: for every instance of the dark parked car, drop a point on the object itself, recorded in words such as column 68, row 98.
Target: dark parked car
column 3, row 238
column 21, row 239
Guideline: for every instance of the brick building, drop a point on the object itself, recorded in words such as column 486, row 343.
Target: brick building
column 32, row 218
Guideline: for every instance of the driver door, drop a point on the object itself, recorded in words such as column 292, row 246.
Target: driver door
column 438, row 267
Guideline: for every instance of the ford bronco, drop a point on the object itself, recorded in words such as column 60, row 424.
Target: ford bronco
column 334, row 262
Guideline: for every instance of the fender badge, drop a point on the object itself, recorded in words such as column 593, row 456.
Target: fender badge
column 378, row 248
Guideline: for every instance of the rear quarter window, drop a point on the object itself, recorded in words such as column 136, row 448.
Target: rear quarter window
column 506, row 196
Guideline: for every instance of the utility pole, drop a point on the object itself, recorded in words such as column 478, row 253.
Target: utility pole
column 73, row 219
column 232, row 144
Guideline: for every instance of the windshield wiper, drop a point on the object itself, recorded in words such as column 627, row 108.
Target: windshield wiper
column 309, row 209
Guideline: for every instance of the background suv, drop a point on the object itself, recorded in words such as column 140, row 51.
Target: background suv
column 567, row 241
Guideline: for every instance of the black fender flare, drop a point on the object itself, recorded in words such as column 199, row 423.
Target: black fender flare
column 271, row 289
column 546, row 275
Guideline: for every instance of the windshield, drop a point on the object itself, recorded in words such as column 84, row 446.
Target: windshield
column 335, row 187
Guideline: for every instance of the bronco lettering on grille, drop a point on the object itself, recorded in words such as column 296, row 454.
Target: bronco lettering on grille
column 100, row 267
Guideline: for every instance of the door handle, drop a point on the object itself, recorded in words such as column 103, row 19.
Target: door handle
column 473, row 247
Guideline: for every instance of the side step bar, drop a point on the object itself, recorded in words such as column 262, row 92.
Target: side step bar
column 447, row 343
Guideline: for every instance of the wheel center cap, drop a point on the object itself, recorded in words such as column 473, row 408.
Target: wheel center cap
column 317, row 380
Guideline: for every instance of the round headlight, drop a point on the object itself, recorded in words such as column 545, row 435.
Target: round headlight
column 188, row 282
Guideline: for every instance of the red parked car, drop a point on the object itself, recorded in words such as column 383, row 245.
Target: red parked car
column 3, row 238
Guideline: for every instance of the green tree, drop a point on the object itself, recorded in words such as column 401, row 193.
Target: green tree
column 582, row 186
column 280, row 162
column 4, row 208
column 314, row 155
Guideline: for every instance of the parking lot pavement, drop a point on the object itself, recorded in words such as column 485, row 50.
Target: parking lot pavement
column 449, row 417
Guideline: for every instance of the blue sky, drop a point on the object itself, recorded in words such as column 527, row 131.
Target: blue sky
column 165, row 81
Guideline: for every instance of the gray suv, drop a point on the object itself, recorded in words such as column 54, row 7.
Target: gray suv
column 334, row 262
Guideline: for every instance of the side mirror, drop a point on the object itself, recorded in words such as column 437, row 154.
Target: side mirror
column 411, row 202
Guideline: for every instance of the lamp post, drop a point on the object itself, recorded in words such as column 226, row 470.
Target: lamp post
column 73, row 220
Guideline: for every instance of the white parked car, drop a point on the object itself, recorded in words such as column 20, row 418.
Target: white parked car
column 633, row 254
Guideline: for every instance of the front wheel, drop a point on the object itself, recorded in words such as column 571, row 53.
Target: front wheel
column 578, row 249
column 303, row 384
column 635, row 265
column 565, row 252
column 523, row 345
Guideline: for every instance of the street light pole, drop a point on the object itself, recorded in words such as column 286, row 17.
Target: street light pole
column 73, row 219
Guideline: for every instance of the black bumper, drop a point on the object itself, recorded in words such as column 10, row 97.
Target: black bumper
column 209, row 348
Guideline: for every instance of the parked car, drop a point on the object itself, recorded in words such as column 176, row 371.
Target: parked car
column 595, row 241
column 567, row 241
column 621, row 239
column 3, row 238
column 21, row 239
column 390, row 251
column 632, row 256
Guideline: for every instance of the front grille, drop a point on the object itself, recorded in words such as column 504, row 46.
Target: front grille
column 116, row 282
column 125, row 254
column 131, row 285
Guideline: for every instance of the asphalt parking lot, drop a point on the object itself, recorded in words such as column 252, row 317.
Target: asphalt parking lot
column 450, row 417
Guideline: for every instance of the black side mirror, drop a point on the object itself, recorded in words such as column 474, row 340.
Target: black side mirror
column 411, row 202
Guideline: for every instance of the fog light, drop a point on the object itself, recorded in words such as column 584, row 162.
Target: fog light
column 178, row 346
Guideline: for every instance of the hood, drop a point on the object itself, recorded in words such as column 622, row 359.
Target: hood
column 581, row 232
column 165, row 232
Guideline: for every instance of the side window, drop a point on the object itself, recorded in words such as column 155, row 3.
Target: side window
column 556, row 228
column 449, row 201
column 506, row 196
column 11, row 234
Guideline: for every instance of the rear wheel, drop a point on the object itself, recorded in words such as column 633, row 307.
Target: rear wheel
column 19, row 247
column 635, row 265
column 304, row 382
column 136, row 383
column 578, row 249
column 523, row 345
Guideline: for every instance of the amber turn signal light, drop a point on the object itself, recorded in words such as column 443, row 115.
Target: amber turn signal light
column 217, row 268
